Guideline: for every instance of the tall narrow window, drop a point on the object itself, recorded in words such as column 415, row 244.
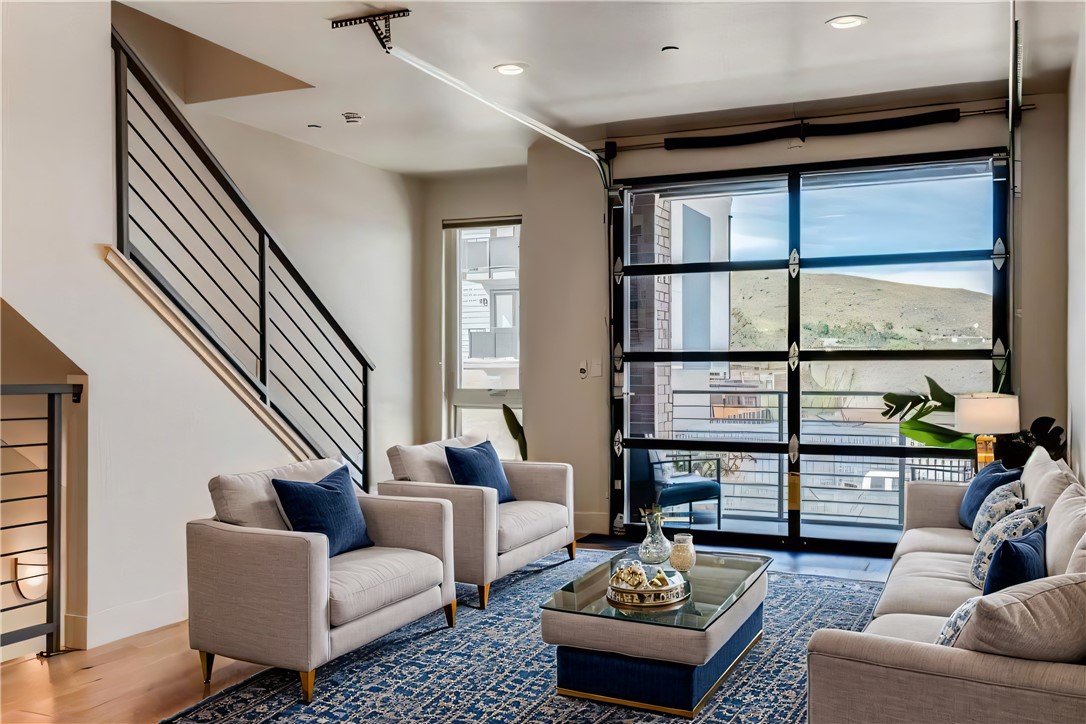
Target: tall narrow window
column 763, row 318
column 483, row 323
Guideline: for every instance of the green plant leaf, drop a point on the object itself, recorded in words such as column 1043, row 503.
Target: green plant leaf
column 900, row 404
column 938, row 394
column 937, row 435
column 516, row 430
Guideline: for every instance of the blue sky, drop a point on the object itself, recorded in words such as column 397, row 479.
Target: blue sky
column 925, row 215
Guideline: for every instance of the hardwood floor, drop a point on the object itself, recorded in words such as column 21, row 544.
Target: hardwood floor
column 143, row 678
column 152, row 675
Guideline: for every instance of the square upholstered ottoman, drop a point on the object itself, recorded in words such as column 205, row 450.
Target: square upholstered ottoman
column 661, row 660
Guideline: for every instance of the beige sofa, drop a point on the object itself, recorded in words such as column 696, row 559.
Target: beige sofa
column 894, row 672
column 491, row 540
column 263, row 593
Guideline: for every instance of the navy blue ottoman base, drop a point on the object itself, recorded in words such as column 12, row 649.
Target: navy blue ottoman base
column 662, row 686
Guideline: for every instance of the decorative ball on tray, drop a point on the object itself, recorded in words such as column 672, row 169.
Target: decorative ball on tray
column 632, row 585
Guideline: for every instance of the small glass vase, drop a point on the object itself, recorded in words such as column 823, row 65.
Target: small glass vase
column 655, row 548
column 683, row 555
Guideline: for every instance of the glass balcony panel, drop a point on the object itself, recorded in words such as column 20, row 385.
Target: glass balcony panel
column 840, row 492
column 693, row 487
column 842, row 400
column 708, row 401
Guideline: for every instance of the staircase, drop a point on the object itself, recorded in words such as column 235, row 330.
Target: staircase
column 191, row 245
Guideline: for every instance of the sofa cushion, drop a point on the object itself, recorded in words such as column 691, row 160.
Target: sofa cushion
column 932, row 584
column 1067, row 526
column 426, row 463
column 984, row 482
column 524, row 521
column 249, row 499
column 1041, row 620
column 1077, row 563
column 1015, row 525
column 1043, row 480
column 365, row 580
column 936, row 540
column 1000, row 503
column 907, row 626
column 328, row 506
column 479, row 465
column 1017, row 561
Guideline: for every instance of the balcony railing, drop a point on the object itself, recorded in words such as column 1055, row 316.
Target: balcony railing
column 866, row 488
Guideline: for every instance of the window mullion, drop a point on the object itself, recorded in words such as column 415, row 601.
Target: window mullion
column 794, row 392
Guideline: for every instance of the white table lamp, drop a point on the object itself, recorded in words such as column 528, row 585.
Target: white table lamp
column 986, row 414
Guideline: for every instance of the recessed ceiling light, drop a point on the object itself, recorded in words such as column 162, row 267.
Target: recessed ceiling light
column 669, row 47
column 314, row 125
column 510, row 68
column 844, row 22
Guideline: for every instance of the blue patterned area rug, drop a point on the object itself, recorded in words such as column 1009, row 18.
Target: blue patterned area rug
column 494, row 667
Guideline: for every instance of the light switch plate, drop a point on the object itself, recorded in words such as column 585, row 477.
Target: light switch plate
column 597, row 368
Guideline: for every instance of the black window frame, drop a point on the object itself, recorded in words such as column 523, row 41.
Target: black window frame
column 999, row 355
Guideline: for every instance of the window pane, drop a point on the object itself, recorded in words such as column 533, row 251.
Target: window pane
column 738, row 311
column 489, row 281
column 916, row 306
column 734, row 221
column 708, row 401
column 747, row 486
column 842, row 400
column 489, row 423
column 938, row 207
column 842, row 491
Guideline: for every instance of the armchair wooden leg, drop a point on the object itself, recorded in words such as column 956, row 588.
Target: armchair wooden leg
column 450, row 614
column 207, row 661
column 309, row 678
column 571, row 549
column 484, row 595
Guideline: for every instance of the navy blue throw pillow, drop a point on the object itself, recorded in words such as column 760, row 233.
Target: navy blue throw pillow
column 479, row 465
column 329, row 506
column 1017, row 560
column 989, row 478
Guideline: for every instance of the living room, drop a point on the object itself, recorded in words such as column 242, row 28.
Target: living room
column 560, row 293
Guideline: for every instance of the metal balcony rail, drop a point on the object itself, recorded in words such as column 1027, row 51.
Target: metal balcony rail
column 184, row 223
column 861, row 488
column 31, row 470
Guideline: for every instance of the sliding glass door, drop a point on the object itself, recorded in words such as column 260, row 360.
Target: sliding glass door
column 759, row 319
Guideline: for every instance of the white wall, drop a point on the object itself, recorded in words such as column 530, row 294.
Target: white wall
column 564, row 306
column 1076, row 258
column 351, row 230
column 161, row 424
column 482, row 195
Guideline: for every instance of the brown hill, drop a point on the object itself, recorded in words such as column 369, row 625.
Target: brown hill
column 848, row 312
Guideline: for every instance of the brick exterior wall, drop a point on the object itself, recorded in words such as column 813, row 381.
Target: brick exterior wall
column 651, row 406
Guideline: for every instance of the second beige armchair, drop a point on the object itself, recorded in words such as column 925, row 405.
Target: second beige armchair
column 491, row 540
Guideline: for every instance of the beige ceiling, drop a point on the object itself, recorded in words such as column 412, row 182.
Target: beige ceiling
column 597, row 63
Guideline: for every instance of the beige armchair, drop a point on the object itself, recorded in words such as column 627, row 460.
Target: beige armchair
column 491, row 540
column 262, row 593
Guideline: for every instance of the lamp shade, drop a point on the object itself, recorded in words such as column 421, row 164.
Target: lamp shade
column 986, row 413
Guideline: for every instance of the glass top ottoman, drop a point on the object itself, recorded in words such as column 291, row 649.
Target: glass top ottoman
column 662, row 660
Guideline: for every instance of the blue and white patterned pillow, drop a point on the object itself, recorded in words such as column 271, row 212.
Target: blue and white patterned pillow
column 1014, row 525
column 954, row 625
column 1000, row 503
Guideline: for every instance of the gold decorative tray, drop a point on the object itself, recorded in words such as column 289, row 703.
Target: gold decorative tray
column 624, row 595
